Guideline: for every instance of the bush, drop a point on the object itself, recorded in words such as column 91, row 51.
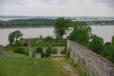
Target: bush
column 96, row 44
column 21, row 50
column 48, row 38
column 48, row 52
column 54, row 51
column 40, row 50
column 108, row 52
column 67, row 55
column 63, row 52
column 18, row 43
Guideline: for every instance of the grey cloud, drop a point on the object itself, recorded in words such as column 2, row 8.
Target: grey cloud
column 107, row 2
column 56, row 7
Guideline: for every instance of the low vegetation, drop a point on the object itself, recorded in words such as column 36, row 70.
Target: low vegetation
column 22, row 50
column 27, row 23
column 10, row 66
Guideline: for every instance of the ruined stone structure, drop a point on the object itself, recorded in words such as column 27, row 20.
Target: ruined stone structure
column 89, row 61
column 59, row 49
column 28, row 42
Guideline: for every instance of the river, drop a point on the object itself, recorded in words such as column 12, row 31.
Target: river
column 106, row 32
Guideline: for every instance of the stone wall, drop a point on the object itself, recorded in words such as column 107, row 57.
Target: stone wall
column 89, row 61
column 59, row 49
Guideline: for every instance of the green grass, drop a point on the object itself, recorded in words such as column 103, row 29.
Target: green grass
column 78, row 70
column 17, row 54
column 10, row 66
column 11, row 51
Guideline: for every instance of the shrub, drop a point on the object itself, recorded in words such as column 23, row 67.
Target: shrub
column 63, row 52
column 48, row 52
column 54, row 51
column 40, row 50
column 41, row 37
column 21, row 50
column 18, row 43
column 96, row 44
column 48, row 38
column 67, row 55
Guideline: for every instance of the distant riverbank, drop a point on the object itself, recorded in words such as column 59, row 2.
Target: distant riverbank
column 26, row 27
column 43, row 26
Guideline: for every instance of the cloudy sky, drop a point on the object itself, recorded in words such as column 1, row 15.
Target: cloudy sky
column 57, row 7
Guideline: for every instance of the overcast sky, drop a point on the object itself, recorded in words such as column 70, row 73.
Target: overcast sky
column 57, row 7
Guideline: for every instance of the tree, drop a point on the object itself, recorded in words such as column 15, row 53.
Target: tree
column 61, row 25
column 113, row 40
column 108, row 52
column 11, row 38
column 14, row 37
column 96, row 44
column 81, row 33
column 18, row 34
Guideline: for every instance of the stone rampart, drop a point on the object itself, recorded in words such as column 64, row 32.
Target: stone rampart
column 89, row 61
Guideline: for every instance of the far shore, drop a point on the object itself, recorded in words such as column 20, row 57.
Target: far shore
column 25, row 27
column 44, row 26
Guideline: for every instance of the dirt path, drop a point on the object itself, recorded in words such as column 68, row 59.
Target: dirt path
column 61, row 63
column 3, row 53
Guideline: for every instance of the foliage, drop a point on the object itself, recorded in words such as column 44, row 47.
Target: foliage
column 63, row 52
column 16, row 54
column 41, row 37
column 40, row 50
column 18, row 43
column 27, row 23
column 48, row 38
column 108, row 51
column 48, row 52
column 67, row 55
column 96, row 44
column 81, row 33
column 11, row 38
column 21, row 50
column 43, row 22
column 113, row 40
column 61, row 25
column 14, row 36
column 54, row 51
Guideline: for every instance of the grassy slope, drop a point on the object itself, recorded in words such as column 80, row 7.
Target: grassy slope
column 10, row 66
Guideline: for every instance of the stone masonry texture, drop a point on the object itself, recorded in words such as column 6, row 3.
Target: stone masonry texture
column 89, row 61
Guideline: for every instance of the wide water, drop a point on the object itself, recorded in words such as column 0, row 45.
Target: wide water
column 106, row 32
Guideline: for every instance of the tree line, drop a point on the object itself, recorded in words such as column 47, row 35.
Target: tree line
column 27, row 23
column 44, row 22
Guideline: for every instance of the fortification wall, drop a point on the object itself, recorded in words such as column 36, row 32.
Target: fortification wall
column 89, row 61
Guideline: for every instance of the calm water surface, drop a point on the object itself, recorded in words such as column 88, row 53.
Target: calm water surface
column 106, row 32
